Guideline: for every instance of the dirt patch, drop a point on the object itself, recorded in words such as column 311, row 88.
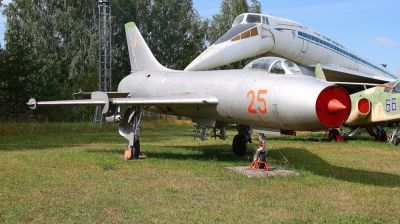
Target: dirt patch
column 261, row 174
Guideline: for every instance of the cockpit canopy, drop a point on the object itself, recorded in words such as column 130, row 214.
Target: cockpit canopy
column 396, row 88
column 250, row 18
column 274, row 65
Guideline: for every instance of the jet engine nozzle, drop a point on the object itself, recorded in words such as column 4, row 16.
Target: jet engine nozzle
column 333, row 106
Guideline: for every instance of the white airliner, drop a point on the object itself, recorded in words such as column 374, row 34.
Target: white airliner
column 265, row 35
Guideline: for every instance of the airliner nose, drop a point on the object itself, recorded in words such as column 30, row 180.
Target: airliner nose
column 240, row 42
column 211, row 58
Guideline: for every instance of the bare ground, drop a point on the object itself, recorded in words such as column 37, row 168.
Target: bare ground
column 261, row 174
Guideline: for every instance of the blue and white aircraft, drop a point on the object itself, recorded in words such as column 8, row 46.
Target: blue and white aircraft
column 265, row 35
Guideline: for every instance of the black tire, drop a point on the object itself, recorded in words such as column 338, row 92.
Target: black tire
column 239, row 145
column 136, row 150
column 383, row 136
column 380, row 134
column 332, row 134
column 395, row 140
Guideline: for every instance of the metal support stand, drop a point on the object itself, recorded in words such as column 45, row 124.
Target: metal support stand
column 104, row 68
column 259, row 161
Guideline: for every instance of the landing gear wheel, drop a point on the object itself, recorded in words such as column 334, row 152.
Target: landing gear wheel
column 332, row 134
column 239, row 145
column 395, row 140
column 136, row 150
column 380, row 134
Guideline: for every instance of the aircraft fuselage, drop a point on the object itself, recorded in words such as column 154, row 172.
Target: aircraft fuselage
column 256, row 98
column 273, row 36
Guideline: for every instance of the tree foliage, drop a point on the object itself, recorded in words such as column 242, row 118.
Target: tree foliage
column 54, row 43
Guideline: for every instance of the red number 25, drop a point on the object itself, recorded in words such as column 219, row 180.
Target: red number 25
column 260, row 99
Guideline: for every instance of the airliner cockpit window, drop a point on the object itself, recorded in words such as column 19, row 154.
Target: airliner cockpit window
column 293, row 67
column 253, row 18
column 277, row 68
column 238, row 20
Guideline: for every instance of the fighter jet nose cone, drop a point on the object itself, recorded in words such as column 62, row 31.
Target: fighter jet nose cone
column 211, row 58
column 335, row 105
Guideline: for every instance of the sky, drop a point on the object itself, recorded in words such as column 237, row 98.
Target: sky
column 368, row 27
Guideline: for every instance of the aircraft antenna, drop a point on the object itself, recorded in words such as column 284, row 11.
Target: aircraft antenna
column 104, row 68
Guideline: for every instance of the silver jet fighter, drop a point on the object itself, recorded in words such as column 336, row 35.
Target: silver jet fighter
column 255, row 34
column 268, row 94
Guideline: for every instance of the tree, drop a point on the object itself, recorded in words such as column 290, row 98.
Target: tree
column 16, row 72
column 59, row 38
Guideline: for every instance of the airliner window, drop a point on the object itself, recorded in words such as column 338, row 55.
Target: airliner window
column 292, row 67
column 253, row 18
column 277, row 68
column 238, row 20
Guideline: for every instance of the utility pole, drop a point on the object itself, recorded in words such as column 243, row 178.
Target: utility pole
column 104, row 68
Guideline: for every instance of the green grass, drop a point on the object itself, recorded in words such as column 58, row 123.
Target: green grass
column 73, row 173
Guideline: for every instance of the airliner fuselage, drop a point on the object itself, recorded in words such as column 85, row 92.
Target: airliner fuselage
column 265, row 35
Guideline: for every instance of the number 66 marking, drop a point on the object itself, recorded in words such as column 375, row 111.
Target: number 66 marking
column 260, row 99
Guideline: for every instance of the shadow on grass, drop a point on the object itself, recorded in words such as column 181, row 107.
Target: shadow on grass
column 305, row 160
column 301, row 159
column 197, row 153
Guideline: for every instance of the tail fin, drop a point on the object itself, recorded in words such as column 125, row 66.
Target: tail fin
column 140, row 55
column 319, row 73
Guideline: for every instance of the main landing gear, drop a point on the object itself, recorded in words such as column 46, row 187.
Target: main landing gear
column 394, row 137
column 380, row 133
column 239, row 144
column 335, row 135
column 130, row 129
